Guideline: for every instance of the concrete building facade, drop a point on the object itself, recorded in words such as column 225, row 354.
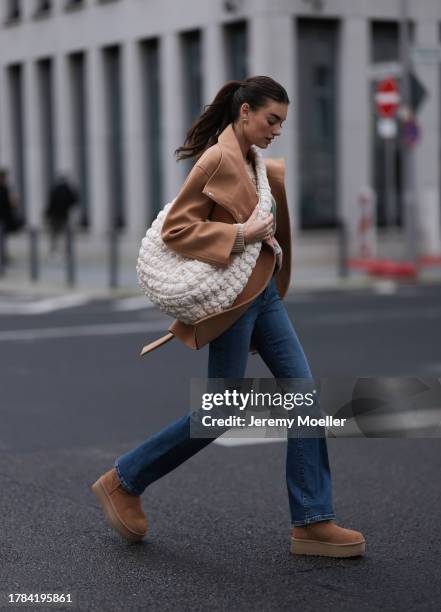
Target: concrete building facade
column 104, row 90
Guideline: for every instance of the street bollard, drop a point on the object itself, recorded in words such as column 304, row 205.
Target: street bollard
column 33, row 254
column 342, row 249
column 113, row 258
column 70, row 255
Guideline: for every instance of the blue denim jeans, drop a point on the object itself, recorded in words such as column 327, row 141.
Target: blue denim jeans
column 308, row 476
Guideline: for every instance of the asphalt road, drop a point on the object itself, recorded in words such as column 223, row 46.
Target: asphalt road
column 75, row 394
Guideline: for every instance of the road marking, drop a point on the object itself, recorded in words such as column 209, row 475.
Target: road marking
column 43, row 306
column 109, row 329
column 132, row 303
column 75, row 331
column 385, row 287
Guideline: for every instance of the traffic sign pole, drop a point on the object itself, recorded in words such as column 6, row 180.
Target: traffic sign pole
column 387, row 99
column 391, row 193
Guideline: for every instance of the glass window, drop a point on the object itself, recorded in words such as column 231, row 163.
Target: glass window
column 385, row 40
column 317, row 87
column 72, row 4
column 236, row 44
column 13, row 11
column 323, row 102
column 43, row 8
column 79, row 122
column 45, row 85
column 15, row 80
column 112, row 74
column 152, row 126
column 192, row 81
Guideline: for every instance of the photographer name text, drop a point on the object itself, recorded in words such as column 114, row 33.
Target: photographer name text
column 299, row 421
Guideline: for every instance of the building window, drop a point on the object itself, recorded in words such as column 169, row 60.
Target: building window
column 13, row 11
column 191, row 68
column 15, row 82
column 45, row 93
column 73, row 4
column 317, row 104
column 152, row 126
column 43, row 8
column 79, row 122
column 384, row 39
column 236, row 46
column 322, row 84
column 114, row 131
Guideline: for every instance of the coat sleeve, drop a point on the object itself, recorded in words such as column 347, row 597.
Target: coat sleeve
column 276, row 170
column 188, row 231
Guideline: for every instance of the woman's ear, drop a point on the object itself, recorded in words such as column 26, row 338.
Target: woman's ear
column 245, row 111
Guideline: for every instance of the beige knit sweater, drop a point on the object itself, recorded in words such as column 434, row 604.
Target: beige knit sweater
column 239, row 243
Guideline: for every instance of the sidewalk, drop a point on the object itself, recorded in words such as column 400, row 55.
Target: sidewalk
column 315, row 267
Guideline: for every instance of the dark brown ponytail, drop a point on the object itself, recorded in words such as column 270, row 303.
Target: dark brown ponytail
column 225, row 109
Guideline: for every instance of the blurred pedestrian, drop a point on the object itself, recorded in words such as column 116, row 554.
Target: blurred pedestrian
column 62, row 198
column 213, row 217
column 8, row 216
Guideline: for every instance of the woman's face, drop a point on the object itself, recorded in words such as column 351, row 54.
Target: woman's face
column 264, row 124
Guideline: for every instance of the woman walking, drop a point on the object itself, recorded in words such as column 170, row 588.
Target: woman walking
column 213, row 217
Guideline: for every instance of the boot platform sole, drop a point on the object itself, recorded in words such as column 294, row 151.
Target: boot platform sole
column 325, row 549
column 111, row 515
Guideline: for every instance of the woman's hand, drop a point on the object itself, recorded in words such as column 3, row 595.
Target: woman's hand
column 256, row 229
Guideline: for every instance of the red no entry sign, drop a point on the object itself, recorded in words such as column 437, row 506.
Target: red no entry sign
column 387, row 97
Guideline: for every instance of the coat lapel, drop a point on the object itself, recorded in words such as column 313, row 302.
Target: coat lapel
column 229, row 184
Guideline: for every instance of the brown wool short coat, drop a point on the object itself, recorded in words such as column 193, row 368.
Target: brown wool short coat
column 216, row 194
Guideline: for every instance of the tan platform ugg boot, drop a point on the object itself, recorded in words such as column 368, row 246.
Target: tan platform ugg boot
column 327, row 539
column 122, row 510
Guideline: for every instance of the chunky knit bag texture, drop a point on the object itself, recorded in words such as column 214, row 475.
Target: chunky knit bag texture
column 188, row 289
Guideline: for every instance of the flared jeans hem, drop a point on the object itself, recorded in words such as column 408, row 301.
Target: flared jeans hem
column 313, row 519
column 125, row 485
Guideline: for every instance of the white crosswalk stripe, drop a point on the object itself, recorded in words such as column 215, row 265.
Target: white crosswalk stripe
column 132, row 303
column 41, row 306
column 76, row 331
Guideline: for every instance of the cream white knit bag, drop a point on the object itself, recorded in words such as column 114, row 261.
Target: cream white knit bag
column 188, row 289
